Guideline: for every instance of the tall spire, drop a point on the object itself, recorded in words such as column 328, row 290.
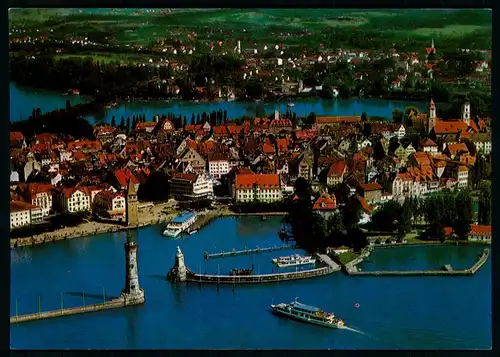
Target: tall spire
column 432, row 44
column 131, row 188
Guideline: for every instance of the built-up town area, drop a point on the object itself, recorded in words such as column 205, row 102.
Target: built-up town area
column 259, row 160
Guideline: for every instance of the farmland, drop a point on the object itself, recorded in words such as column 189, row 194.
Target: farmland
column 260, row 25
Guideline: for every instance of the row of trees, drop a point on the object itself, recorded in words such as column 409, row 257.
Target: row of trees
column 444, row 209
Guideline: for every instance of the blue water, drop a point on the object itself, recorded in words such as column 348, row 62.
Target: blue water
column 23, row 100
column 393, row 313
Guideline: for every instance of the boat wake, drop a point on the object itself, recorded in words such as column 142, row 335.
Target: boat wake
column 353, row 330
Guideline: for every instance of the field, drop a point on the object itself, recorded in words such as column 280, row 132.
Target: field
column 130, row 26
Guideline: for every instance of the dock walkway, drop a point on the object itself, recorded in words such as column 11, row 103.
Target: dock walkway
column 113, row 304
column 246, row 251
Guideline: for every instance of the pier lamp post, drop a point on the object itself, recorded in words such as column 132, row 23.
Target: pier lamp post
column 62, row 302
column 83, row 297
column 103, row 295
column 17, row 310
column 39, row 304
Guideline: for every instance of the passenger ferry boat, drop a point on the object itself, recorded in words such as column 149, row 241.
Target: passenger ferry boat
column 297, row 262
column 292, row 257
column 306, row 313
column 180, row 224
column 293, row 260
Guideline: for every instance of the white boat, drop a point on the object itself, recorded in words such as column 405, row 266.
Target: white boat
column 289, row 258
column 306, row 313
column 297, row 262
column 291, row 105
column 180, row 224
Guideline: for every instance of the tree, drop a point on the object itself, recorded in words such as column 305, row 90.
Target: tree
column 113, row 121
column 357, row 239
column 122, row 123
column 385, row 217
column 193, row 120
column 351, row 213
column 464, row 214
column 364, row 117
column 397, row 116
column 484, row 214
column 68, row 104
column 127, row 125
column 378, row 151
column 470, row 146
column 404, row 221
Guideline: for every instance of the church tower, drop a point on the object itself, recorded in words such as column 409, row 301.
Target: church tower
column 431, row 121
column 132, row 294
column 466, row 112
column 131, row 205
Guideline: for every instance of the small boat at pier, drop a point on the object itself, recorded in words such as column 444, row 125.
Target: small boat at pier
column 263, row 218
column 296, row 262
column 306, row 313
column 286, row 259
column 180, row 224
column 241, row 272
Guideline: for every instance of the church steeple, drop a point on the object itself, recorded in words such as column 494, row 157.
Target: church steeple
column 431, row 120
column 131, row 205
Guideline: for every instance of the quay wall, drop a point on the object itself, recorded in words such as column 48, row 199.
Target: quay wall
column 69, row 311
column 264, row 278
column 353, row 271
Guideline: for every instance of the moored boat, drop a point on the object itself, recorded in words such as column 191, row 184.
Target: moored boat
column 292, row 257
column 306, row 313
column 180, row 224
column 297, row 262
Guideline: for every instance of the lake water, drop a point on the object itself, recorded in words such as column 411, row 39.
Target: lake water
column 23, row 100
column 393, row 312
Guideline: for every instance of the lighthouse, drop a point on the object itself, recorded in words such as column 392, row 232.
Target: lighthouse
column 132, row 294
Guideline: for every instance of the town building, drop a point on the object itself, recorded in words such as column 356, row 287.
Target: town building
column 188, row 186
column 24, row 214
column 258, row 187
column 371, row 192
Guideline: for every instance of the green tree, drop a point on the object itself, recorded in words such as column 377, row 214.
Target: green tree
column 397, row 115
column 113, row 121
column 484, row 213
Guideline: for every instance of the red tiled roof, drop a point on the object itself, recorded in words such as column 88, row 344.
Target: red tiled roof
column 371, row 186
column 261, row 180
column 325, row 203
column 185, row 176
column 18, row 206
column 337, row 169
column 146, row 124
column 450, row 127
column 123, row 176
column 480, row 230
column 337, row 119
column 16, row 135
column 455, row 149
column 35, row 188
column 428, row 142
column 268, row 148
